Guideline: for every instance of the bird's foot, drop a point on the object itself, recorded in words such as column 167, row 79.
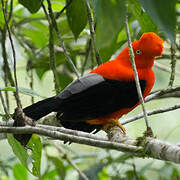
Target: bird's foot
column 113, row 122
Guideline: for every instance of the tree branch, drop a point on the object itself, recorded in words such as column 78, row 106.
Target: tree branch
column 173, row 65
column 14, row 55
column 91, row 27
column 73, row 138
column 131, row 54
column 54, row 24
column 165, row 68
column 148, row 147
column 63, row 9
column 51, row 52
column 4, row 105
column 69, row 160
column 156, row 111
column 162, row 93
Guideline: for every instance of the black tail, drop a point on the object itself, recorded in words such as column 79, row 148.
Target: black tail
column 42, row 108
column 37, row 111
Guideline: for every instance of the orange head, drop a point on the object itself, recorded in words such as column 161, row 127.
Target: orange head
column 146, row 49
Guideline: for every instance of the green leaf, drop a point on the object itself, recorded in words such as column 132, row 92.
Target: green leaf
column 61, row 169
column 175, row 174
column 122, row 37
column 40, row 72
column 64, row 80
column 1, row 17
column 145, row 168
column 41, row 64
column 122, row 158
column 107, row 52
column 92, row 171
column 77, row 16
column 163, row 13
column 36, row 147
column 38, row 37
column 145, row 22
column 132, row 175
column 64, row 29
column 21, row 90
column 50, row 175
column 32, row 5
column 103, row 175
column 18, row 150
column 4, row 177
column 110, row 17
column 166, row 170
column 20, row 172
column 4, row 117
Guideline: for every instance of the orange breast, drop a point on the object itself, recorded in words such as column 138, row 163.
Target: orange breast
column 114, row 71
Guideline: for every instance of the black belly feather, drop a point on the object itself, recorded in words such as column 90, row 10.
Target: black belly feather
column 94, row 99
column 89, row 97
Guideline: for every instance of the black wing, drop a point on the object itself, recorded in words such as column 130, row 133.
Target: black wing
column 93, row 96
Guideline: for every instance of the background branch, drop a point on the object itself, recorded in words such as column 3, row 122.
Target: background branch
column 173, row 65
column 156, row 111
column 169, row 92
column 131, row 54
column 69, row 160
column 14, row 55
column 54, row 24
column 165, row 68
column 149, row 147
column 92, row 33
column 51, row 52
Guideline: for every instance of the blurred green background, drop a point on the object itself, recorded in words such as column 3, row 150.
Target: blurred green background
column 31, row 36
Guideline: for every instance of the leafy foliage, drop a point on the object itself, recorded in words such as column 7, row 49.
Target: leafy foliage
column 32, row 6
column 92, row 171
column 18, row 150
column 20, row 172
column 30, row 30
column 76, row 12
column 164, row 17
column 36, row 147
column 24, row 157
column 109, row 14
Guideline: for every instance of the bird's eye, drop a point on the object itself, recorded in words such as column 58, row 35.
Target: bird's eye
column 138, row 51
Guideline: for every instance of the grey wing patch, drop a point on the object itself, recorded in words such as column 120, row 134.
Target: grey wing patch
column 81, row 84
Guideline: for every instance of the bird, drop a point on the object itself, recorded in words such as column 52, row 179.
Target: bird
column 97, row 100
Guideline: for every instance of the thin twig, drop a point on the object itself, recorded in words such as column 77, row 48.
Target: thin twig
column 88, row 48
column 63, row 9
column 5, row 66
column 167, row 57
column 52, row 59
column 173, row 65
column 4, row 106
column 156, row 111
column 6, row 69
column 10, row 11
column 165, row 68
column 14, row 55
column 6, row 85
column 161, row 93
column 29, row 71
column 4, row 55
column 69, row 160
column 91, row 26
column 131, row 54
column 28, row 20
column 51, row 52
column 54, row 24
